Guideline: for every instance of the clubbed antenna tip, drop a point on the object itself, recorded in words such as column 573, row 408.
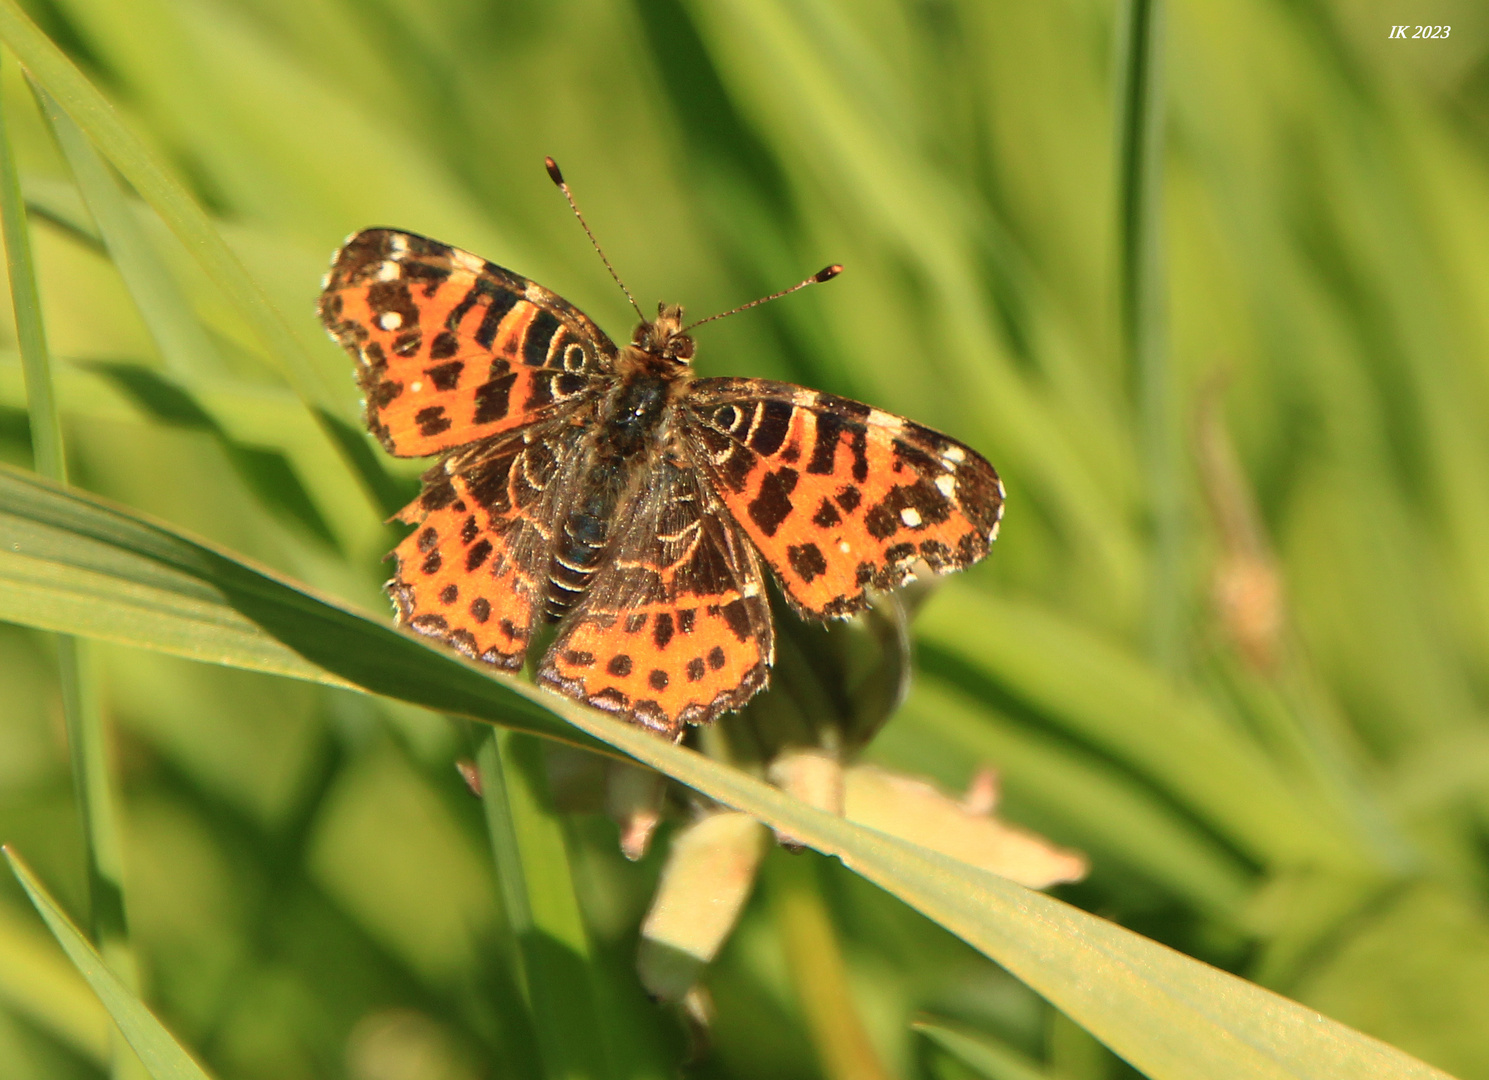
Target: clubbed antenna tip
column 558, row 178
column 827, row 273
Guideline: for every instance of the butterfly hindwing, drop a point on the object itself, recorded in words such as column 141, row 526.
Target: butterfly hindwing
column 840, row 497
column 475, row 571
column 451, row 348
column 675, row 628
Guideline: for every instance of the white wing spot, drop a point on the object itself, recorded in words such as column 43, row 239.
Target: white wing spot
column 390, row 320
column 466, row 261
column 416, row 386
column 910, row 516
column 325, row 281
column 397, row 244
column 946, row 485
column 954, row 453
column 387, row 271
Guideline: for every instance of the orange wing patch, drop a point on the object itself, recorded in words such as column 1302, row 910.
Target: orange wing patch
column 840, row 497
column 450, row 348
column 676, row 627
column 474, row 573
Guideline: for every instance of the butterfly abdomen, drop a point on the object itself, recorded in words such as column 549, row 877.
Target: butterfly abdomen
column 630, row 419
column 583, row 537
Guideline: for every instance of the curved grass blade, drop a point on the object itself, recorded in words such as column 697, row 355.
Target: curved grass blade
column 1141, row 285
column 1169, row 1015
column 54, row 72
column 532, row 861
column 71, row 563
column 41, row 986
column 93, row 786
column 161, row 1054
column 987, row 1058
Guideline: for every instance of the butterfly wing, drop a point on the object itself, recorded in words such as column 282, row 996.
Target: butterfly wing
column 676, row 627
column 475, row 572
column 838, row 496
column 450, row 348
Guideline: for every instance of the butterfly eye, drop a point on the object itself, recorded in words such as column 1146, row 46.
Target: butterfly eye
column 682, row 347
column 574, row 358
column 726, row 416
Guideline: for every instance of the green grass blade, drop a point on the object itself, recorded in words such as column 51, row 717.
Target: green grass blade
column 819, row 974
column 183, row 343
column 267, row 474
column 157, row 1049
column 1166, row 1013
column 50, row 68
column 86, row 738
column 986, row 1057
column 1141, row 288
column 531, row 854
column 41, row 397
column 37, row 983
column 1114, row 701
column 71, row 563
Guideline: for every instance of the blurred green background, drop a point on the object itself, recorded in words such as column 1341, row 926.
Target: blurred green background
column 1289, row 561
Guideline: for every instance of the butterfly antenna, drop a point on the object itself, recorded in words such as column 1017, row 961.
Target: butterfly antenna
column 558, row 178
column 827, row 273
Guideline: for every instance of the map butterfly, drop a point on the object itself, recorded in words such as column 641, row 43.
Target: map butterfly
column 610, row 490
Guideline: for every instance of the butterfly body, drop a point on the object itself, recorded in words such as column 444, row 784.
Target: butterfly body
column 612, row 491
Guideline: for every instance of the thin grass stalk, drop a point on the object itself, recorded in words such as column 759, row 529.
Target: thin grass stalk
column 160, row 1056
column 1141, row 285
column 819, row 975
column 531, row 855
column 183, row 343
column 86, row 738
column 50, row 68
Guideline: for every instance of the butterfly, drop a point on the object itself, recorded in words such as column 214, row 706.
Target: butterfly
column 612, row 491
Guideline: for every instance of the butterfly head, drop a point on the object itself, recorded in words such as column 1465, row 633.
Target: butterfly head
column 664, row 335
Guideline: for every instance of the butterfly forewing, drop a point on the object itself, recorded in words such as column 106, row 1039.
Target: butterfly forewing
column 452, row 349
column 840, row 497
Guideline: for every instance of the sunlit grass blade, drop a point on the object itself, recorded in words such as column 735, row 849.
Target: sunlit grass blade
column 532, row 862
column 267, row 474
column 50, row 68
column 1113, row 817
column 39, row 984
column 157, row 1049
column 979, row 1053
column 70, row 563
column 789, row 67
column 183, row 343
column 1140, row 280
column 1169, row 1015
column 87, row 744
column 819, row 974
column 1041, row 664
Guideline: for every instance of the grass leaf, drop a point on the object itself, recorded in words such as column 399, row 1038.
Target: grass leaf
column 161, row 1054
column 1168, row 1014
